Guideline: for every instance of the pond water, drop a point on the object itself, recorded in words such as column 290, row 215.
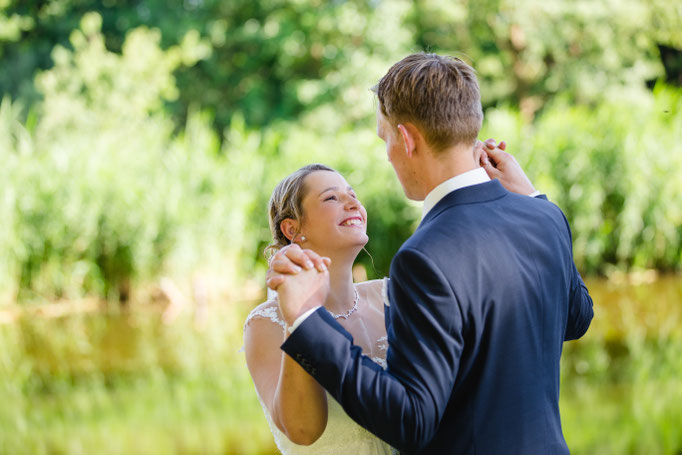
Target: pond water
column 643, row 302
column 621, row 389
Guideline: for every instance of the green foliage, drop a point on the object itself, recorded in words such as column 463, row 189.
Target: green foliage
column 276, row 60
column 528, row 51
column 98, row 189
column 266, row 60
column 614, row 170
column 100, row 192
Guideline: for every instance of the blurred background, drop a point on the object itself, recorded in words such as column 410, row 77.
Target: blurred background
column 140, row 141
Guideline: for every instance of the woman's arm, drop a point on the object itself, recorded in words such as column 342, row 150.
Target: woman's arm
column 295, row 401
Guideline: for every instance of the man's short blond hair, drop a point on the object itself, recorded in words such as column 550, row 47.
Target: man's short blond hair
column 438, row 94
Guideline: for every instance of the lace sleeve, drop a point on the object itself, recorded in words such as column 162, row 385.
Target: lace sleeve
column 267, row 312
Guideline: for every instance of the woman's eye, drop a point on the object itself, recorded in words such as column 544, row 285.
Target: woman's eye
column 331, row 198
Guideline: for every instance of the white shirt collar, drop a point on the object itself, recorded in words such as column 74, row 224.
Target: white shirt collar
column 469, row 178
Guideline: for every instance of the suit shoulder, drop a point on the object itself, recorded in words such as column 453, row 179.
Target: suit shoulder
column 539, row 202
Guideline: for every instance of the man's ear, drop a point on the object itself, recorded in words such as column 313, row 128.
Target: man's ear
column 289, row 228
column 412, row 137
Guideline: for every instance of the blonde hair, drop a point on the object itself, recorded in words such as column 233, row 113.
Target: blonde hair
column 286, row 202
column 437, row 93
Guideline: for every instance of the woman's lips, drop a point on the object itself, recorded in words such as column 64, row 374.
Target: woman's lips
column 353, row 221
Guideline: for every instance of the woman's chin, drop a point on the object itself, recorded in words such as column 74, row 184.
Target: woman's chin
column 360, row 236
column 362, row 241
column 357, row 241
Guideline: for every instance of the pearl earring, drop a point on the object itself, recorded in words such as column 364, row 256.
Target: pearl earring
column 303, row 238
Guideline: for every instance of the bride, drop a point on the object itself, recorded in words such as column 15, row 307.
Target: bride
column 317, row 210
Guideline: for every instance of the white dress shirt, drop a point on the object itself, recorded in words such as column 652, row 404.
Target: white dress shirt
column 469, row 178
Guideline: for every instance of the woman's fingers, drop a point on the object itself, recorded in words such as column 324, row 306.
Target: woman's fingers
column 283, row 264
column 292, row 259
column 316, row 260
column 274, row 281
column 496, row 155
column 479, row 153
column 296, row 255
column 490, row 169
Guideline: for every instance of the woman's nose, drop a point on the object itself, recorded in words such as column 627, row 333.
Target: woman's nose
column 352, row 203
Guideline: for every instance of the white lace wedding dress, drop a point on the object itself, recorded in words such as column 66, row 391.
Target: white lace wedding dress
column 342, row 435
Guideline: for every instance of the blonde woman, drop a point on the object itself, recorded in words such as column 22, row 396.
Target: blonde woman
column 316, row 209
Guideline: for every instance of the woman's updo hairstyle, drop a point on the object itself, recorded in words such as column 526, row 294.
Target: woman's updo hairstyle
column 286, row 202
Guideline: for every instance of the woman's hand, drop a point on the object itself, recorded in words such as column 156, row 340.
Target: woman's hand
column 291, row 260
column 504, row 167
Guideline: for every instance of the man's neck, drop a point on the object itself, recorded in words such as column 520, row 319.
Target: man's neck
column 441, row 166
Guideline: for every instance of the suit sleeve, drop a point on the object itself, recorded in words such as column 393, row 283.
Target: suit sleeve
column 403, row 404
column 580, row 308
column 580, row 311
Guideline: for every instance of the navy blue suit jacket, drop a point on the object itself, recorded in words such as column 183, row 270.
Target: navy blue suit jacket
column 482, row 297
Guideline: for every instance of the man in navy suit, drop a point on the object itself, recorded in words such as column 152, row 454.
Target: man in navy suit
column 480, row 298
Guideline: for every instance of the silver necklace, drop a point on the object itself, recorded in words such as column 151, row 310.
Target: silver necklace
column 349, row 312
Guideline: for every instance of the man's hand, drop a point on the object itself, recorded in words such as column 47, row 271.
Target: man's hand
column 301, row 292
column 291, row 260
column 301, row 280
column 504, row 167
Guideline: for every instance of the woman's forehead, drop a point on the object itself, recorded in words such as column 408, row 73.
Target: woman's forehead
column 321, row 180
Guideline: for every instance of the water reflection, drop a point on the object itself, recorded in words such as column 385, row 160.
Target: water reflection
column 621, row 390
column 645, row 303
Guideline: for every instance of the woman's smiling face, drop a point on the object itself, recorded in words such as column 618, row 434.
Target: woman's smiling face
column 333, row 217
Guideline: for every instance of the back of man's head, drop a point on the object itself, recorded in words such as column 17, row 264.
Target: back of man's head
column 438, row 94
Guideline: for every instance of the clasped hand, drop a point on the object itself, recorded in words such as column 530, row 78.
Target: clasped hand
column 301, row 280
column 502, row 166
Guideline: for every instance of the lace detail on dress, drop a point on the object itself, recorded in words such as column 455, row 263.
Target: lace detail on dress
column 382, row 345
column 379, row 361
column 270, row 312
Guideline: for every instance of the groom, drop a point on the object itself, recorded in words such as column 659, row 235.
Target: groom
column 480, row 298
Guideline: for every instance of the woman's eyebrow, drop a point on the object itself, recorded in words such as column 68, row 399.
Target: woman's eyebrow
column 349, row 188
column 328, row 189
